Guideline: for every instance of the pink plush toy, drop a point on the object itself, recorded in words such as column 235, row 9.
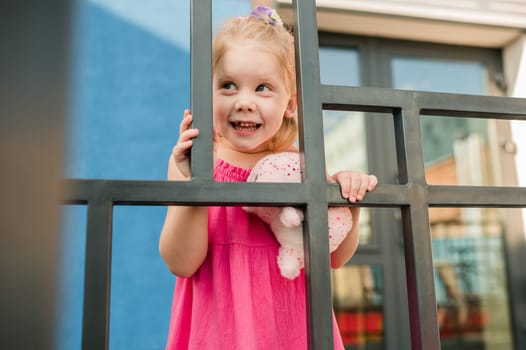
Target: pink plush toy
column 287, row 222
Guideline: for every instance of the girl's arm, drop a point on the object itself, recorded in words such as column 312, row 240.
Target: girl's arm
column 184, row 237
column 353, row 187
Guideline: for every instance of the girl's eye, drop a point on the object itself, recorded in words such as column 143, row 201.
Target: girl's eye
column 263, row 87
column 228, row 86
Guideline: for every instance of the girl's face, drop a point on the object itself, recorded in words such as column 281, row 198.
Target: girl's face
column 251, row 97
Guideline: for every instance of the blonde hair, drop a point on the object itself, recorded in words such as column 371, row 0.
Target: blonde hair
column 279, row 41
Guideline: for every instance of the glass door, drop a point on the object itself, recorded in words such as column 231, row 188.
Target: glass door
column 470, row 245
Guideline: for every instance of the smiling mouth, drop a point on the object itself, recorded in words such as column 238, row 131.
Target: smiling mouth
column 245, row 126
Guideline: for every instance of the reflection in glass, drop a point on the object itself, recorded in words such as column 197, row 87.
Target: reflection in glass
column 345, row 148
column 439, row 75
column 358, row 305
column 344, row 132
column 456, row 151
column 446, row 139
column 468, row 252
column 467, row 151
column 357, row 290
column 470, row 278
column 339, row 66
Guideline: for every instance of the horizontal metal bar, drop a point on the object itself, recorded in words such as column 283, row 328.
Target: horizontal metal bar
column 384, row 195
column 377, row 100
column 477, row 196
column 381, row 100
column 476, row 106
column 139, row 192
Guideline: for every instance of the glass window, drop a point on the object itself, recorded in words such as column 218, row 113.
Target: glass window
column 468, row 256
column 434, row 75
column 344, row 131
column 358, row 304
column 437, row 75
column 339, row 66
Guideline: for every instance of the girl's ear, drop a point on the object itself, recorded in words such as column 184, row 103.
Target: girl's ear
column 291, row 107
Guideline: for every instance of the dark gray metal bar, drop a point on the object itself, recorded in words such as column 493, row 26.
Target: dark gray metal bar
column 475, row 106
column 97, row 276
column 477, row 196
column 317, row 258
column 365, row 99
column 370, row 99
column 417, row 237
column 385, row 195
column 190, row 193
column 201, row 87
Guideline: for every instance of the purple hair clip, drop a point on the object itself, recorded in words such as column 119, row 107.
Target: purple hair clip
column 267, row 15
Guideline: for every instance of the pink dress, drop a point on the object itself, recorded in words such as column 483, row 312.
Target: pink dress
column 238, row 299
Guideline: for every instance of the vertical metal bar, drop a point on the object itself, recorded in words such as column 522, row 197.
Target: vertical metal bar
column 396, row 315
column 95, row 324
column 417, row 236
column 201, row 87
column 317, row 259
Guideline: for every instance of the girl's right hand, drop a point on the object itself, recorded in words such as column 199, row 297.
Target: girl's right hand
column 181, row 151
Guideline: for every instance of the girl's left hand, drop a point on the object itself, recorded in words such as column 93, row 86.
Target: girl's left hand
column 353, row 185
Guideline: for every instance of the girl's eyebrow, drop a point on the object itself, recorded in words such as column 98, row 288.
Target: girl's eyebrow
column 220, row 73
column 224, row 76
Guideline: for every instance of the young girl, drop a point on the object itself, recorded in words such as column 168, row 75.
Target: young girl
column 229, row 292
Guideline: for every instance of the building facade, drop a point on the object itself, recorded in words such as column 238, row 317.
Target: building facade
column 469, row 47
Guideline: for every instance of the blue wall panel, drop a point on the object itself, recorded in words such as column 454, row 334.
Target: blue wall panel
column 130, row 85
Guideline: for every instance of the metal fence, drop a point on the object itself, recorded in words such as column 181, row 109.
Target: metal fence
column 412, row 195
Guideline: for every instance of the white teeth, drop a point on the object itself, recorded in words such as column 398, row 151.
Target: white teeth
column 249, row 126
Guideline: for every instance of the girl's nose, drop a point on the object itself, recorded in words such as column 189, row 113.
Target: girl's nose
column 245, row 104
